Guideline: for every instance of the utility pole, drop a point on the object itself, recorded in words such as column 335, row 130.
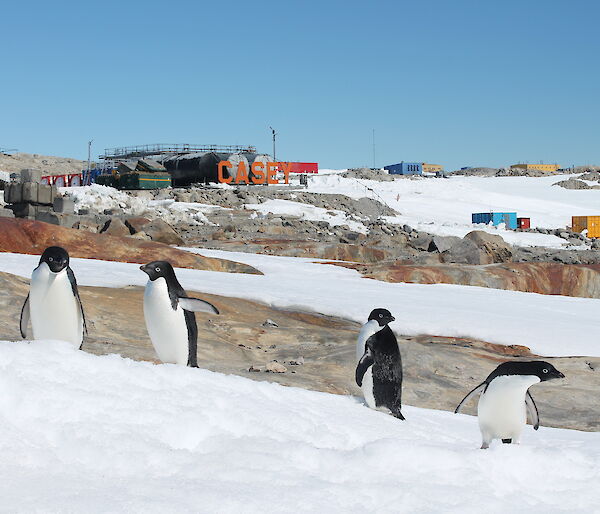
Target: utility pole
column 374, row 149
column 274, row 134
column 89, row 155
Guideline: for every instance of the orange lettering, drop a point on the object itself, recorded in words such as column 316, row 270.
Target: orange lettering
column 222, row 179
column 286, row 167
column 272, row 173
column 258, row 173
column 242, row 173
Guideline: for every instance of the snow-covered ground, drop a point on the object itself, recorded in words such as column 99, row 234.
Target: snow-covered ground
column 444, row 206
column 97, row 198
column 437, row 206
column 308, row 212
column 549, row 325
column 82, row 433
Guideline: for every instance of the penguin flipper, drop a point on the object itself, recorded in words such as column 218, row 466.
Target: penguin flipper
column 472, row 393
column 532, row 410
column 365, row 362
column 197, row 305
column 192, row 329
column 24, row 322
column 73, row 282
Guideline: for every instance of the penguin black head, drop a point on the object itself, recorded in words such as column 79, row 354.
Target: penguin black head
column 382, row 316
column 158, row 269
column 541, row 369
column 56, row 258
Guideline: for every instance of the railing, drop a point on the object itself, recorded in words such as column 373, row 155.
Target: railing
column 126, row 152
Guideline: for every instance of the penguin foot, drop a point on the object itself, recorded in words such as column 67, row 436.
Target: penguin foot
column 485, row 446
column 507, row 441
column 398, row 415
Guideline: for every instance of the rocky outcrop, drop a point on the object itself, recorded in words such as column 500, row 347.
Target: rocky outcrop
column 492, row 245
column 115, row 227
column 464, row 251
column 157, row 229
column 318, row 352
column 443, row 243
column 574, row 184
column 543, row 278
column 292, row 248
column 593, row 176
column 32, row 237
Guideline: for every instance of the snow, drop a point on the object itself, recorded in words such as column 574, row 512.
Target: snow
column 97, row 198
column 82, row 433
column 4, row 176
column 444, row 206
column 549, row 325
column 308, row 212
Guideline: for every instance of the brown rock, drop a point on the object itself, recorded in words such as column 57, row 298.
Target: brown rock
column 115, row 227
column 498, row 249
column 33, row 237
column 141, row 235
column 438, row 371
column 466, row 251
column 87, row 225
column 157, row 229
column 136, row 224
column 275, row 367
column 581, row 280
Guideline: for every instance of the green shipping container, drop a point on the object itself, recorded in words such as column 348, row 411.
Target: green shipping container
column 106, row 180
column 144, row 180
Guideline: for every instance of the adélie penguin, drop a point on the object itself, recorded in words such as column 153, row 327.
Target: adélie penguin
column 53, row 305
column 379, row 369
column 169, row 315
column 505, row 399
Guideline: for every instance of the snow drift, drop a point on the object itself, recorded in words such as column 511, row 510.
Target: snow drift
column 81, row 433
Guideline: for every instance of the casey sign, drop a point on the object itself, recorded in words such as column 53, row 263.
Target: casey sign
column 264, row 173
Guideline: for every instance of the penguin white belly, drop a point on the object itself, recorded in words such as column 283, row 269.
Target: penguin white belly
column 367, row 388
column 167, row 327
column 368, row 329
column 53, row 308
column 501, row 411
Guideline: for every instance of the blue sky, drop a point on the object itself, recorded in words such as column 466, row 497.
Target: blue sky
column 457, row 83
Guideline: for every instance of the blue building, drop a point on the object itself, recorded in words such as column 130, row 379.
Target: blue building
column 496, row 218
column 405, row 168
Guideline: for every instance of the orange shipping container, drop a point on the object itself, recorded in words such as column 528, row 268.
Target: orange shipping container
column 591, row 223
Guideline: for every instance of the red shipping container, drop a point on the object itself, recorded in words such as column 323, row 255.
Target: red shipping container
column 304, row 167
column 61, row 180
column 523, row 222
column 74, row 179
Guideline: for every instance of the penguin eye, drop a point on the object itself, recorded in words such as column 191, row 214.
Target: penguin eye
column 157, row 269
column 381, row 315
column 545, row 370
column 50, row 259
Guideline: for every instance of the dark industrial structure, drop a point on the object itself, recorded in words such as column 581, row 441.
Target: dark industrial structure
column 188, row 164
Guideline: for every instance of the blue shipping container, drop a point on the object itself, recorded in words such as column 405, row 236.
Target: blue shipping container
column 405, row 168
column 496, row 218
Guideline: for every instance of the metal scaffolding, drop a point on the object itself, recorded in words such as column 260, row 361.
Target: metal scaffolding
column 130, row 152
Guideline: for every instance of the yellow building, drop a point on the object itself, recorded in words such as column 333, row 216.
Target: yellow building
column 589, row 223
column 541, row 167
column 432, row 168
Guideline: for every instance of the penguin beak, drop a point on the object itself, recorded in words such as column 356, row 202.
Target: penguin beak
column 144, row 268
column 391, row 318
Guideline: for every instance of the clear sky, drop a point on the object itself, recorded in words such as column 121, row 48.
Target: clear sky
column 457, row 83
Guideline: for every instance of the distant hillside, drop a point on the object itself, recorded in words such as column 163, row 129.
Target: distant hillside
column 48, row 164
